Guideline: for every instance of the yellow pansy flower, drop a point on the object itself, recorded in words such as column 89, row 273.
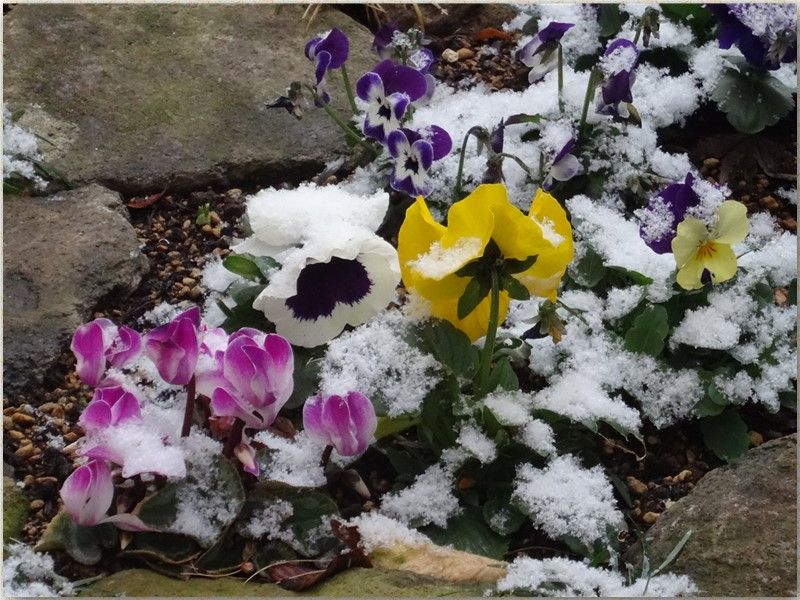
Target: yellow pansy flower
column 431, row 253
column 697, row 249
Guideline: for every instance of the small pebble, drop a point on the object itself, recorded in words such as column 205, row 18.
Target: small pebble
column 214, row 218
column 16, row 435
column 450, row 56
column 23, row 419
column 636, row 486
column 711, row 162
column 769, row 203
column 650, row 517
column 8, row 423
column 24, row 451
column 682, row 476
column 37, row 505
column 756, row 439
column 465, row 53
column 196, row 293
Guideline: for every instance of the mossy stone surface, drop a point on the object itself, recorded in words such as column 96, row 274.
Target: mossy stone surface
column 137, row 97
column 355, row 583
column 15, row 510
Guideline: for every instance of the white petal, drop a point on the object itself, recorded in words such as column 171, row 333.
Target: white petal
column 566, row 168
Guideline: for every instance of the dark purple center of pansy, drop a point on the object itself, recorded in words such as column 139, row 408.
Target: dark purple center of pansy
column 385, row 111
column 412, row 164
column 322, row 286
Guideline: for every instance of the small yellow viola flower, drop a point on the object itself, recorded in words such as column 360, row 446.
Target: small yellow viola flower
column 697, row 249
column 431, row 253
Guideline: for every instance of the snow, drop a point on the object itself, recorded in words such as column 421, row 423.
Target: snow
column 706, row 328
column 29, row 574
column 474, row 441
column 378, row 360
column 509, row 408
column 379, row 531
column 439, row 262
column 565, row 577
column 538, row 436
column 429, row 499
column 622, row 58
column 566, row 499
column 20, row 148
column 204, row 506
column 295, row 462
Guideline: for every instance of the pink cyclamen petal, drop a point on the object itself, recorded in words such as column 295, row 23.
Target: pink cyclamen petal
column 110, row 406
column 126, row 347
column 347, row 423
column 247, row 456
column 88, row 492
column 89, row 344
column 174, row 348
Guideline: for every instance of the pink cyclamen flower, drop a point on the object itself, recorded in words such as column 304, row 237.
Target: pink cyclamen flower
column 110, row 406
column 174, row 347
column 345, row 422
column 99, row 343
column 87, row 495
column 257, row 378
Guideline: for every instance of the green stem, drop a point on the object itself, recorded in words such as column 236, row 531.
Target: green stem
column 491, row 336
column 349, row 133
column 590, row 87
column 349, row 90
column 472, row 131
column 518, row 160
column 560, row 80
column 638, row 31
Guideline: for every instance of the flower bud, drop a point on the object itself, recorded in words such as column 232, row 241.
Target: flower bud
column 347, row 423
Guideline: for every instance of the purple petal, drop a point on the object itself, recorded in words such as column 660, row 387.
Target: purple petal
column 424, row 153
column 565, row 150
column 621, row 43
column 322, row 63
column 399, row 103
column 383, row 37
column 311, row 46
column 96, row 415
column 89, row 344
column 364, row 420
column 88, row 492
column 280, row 367
column 617, row 88
column 678, row 197
column 369, row 86
column 422, row 60
column 339, row 427
column 529, row 50
column 128, row 522
column 126, row 348
column 337, row 45
column 554, row 31
column 312, row 419
column 397, row 142
column 174, row 349
column 440, row 140
column 400, row 78
column 193, row 315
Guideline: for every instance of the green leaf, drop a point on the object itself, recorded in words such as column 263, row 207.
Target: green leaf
column 712, row 404
column 469, row 532
column 82, row 543
column 161, row 508
column 609, row 19
column 589, row 270
column 725, row 434
column 649, row 330
column 474, row 293
column 389, row 426
column 531, row 26
column 515, row 289
column 763, row 294
column 245, row 293
column 752, row 100
column 502, row 376
column 308, row 365
column 522, row 118
column 500, row 514
column 437, row 423
column 621, row 277
column 243, row 266
column 512, row 266
column 449, row 346
column 792, row 295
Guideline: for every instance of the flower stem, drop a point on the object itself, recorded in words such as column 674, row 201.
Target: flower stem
column 518, row 160
column 560, row 80
column 189, row 412
column 348, row 133
column 491, row 335
column 349, row 90
column 638, row 31
column 326, row 456
column 472, row 131
column 590, row 87
column 234, row 437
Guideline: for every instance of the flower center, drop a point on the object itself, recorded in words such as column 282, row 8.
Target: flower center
column 321, row 286
column 385, row 111
column 706, row 250
column 412, row 164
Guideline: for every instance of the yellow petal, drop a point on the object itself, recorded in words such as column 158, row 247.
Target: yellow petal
column 690, row 235
column 721, row 263
column 515, row 234
column 472, row 217
column 732, row 224
column 689, row 273
column 418, row 233
column 475, row 323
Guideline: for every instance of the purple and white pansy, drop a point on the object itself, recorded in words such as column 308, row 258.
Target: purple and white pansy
column 765, row 33
column 328, row 51
column 87, row 495
column 346, row 422
column 618, row 64
column 660, row 218
column 564, row 167
column 100, row 343
column 540, row 54
column 388, row 90
column 414, row 153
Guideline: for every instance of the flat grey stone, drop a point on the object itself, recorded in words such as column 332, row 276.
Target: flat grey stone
column 137, row 97
column 62, row 255
column 744, row 522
